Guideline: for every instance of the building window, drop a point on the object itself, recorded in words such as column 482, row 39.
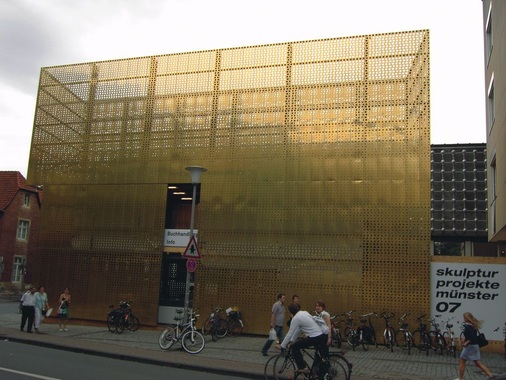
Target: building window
column 490, row 104
column 18, row 268
column 23, row 229
column 448, row 248
column 26, row 201
column 488, row 35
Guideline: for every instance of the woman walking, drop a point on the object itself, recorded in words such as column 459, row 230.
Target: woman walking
column 40, row 307
column 471, row 349
column 63, row 309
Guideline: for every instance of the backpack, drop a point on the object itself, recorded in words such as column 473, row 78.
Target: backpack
column 321, row 322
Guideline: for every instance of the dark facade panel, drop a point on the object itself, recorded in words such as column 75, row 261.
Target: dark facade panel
column 459, row 191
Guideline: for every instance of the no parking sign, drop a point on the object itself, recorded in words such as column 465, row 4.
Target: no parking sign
column 191, row 265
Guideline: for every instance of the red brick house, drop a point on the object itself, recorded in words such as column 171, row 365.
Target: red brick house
column 19, row 218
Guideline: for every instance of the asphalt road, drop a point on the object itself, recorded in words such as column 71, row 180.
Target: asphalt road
column 20, row 361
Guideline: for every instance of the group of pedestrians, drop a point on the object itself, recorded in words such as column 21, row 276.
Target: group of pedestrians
column 316, row 332
column 34, row 307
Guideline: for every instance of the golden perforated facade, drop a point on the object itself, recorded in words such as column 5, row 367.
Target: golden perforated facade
column 318, row 182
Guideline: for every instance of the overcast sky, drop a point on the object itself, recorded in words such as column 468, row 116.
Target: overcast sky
column 41, row 33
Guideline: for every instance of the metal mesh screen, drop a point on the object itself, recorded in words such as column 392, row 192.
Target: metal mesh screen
column 318, row 184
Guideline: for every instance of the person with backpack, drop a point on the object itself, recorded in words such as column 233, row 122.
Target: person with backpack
column 303, row 322
column 471, row 347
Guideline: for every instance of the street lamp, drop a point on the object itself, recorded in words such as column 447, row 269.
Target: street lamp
column 195, row 172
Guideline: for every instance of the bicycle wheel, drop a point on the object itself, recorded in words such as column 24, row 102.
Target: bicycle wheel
column 373, row 338
column 132, row 323
column 402, row 340
column 220, row 329
column 337, row 340
column 417, row 340
column 120, row 325
column 234, row 327
column 206, row 327
column 427, row 342
column 351, row 337
column 409, row 342
column 167, row 338
column 193, row 342
column 269, row 368
column 450, row 344
column 389, row 338
column 440, row 343
column 284, row 367
column 331, row 368
column 111, row 324
column 362, row 339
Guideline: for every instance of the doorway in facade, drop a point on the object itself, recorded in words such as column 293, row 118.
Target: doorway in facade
column 173, row 270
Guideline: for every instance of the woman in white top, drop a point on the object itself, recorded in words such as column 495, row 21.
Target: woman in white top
column 324, row 314
column 41, row 306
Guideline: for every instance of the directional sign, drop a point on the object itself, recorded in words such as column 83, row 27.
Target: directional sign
column 192, row 250
column 191, row 265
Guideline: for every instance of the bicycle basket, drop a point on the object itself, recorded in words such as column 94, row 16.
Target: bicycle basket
column 235, row 314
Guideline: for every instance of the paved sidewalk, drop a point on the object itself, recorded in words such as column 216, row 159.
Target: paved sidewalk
column 235, row 356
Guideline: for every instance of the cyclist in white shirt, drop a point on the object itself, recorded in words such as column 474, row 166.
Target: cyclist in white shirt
column 303, row 322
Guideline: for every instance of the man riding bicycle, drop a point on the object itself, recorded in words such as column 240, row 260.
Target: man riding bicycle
column 303, row 322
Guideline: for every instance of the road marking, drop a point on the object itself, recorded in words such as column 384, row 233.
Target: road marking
column 28, row 374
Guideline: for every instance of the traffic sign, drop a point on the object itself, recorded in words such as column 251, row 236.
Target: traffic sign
column 191, row 265
column 192, row 250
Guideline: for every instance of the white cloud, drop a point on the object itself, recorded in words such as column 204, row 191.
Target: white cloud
column 37, row 34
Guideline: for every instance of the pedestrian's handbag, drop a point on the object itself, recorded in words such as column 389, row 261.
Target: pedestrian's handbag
column 482, row 341
column 272, row 334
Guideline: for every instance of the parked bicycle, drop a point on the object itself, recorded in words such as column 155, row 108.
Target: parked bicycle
column 337, row 339
column 282, row 366
column 404, row 338
column 191, row 340
column 234, row 321
column 503, row 330
column 389, row 333
column 438, row 341
column 350, row 333
column 449, row 337
column 366, row 332
column 122, row 318
column 215, row 325
column 421, row 337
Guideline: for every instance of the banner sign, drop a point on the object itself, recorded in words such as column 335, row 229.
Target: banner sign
column 480, row 289
column 178, row 238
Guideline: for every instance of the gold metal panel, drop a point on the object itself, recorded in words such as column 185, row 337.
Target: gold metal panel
column 318, row 184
